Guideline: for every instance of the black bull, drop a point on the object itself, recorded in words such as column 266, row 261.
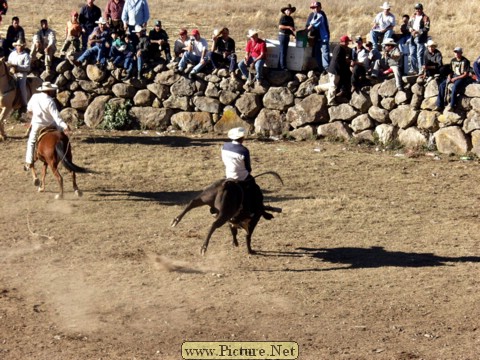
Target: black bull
column 227, row 200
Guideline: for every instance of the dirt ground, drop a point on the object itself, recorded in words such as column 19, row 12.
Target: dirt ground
column 375, row 256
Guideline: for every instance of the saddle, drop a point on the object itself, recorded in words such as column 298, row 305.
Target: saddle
column 45, row 131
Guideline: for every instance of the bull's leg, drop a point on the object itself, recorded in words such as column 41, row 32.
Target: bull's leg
column 272, row 209
column 251, row 226
column 197, row 202
column 234, row 232
column 216, row 224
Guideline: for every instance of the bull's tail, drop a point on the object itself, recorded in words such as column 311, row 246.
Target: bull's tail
column 61, row 150
column 275, row 174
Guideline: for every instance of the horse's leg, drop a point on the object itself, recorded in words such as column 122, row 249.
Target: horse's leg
column 76, row 191
column 36, row 181
column 41, row 188
column 54, row 167
column 3, row 116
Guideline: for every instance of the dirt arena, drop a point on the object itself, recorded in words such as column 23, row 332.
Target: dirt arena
column 375, row 256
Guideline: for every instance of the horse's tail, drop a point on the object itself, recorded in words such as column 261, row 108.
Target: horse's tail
column 61, row 150
column 275, row 174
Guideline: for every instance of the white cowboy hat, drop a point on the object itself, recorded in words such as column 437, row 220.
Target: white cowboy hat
column 138, row 28
column 101, row 20
column 47, row 86
column 217, row 32
column 385, row 5
column 252, row 32
column 236, row 133
column 18, row 43
column 389, row 41
column 431, row 43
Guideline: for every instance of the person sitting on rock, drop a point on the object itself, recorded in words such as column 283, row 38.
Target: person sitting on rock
column 141, row 49
column 159, row 43
column 223, row 51
column 476, row 70
column 45, row 43
column 389, row 63
column 433, row 61
column 73, row 33
column 255, row 55
column 99, row 41
column 359, row 64
column 373, row 55
column 459, row 78
column 180, row 45
column 196, row 54
column 128, row 57
column 382, row 25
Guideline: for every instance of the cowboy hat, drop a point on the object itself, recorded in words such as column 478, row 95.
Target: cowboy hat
column 431, row 43
column 101, row 20
column 47, row 86
column 138, row 29
column 289, row 7
column 252, row 32
column 389, row 41
column 217, row 32
column 19, row 42
column 385, row 6
column 236, row 133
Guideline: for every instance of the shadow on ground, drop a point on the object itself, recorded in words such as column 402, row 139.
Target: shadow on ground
column 172, row 141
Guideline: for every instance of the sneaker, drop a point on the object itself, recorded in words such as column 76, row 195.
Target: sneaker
column 244, row 77
column 448, row 108
column 192, row 75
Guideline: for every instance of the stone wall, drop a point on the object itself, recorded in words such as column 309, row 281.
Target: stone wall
column 285, row 105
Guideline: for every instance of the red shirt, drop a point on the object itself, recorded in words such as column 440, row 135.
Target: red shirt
column 256, row 48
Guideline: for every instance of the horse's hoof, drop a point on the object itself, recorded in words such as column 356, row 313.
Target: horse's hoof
column 36, row 182
column 58, row 197
column 40, row 189
column 78, row 193
column 203, row 250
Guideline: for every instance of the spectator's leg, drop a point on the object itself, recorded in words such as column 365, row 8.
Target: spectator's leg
column 398, row 77
column 283, row 40
column 22, row 84
column 259, row 69
column 233, row 62
column 420, row 56
column 476, row 69
column 458, row 87
column 213, row 56
column 325, row 55
column 441, row 94
column 243, row 67
column 413, row 56
column 49, row 56
column 374, row 37
column 318, row 55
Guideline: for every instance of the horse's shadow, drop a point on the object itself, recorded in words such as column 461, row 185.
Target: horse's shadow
column 171, row 141
column 373, row 257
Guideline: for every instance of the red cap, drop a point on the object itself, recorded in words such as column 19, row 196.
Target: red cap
column 345, row 38
column 195, row 32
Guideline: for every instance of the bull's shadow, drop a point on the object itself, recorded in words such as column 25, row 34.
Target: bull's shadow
column 162, row 197
column 373, row 257
column 171, row 141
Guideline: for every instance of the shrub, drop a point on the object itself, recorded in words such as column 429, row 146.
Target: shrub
column 116, row 116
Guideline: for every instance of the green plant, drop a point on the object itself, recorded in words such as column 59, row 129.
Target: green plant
column 116, row 116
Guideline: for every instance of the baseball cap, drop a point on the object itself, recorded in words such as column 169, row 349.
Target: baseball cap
column 195, row 32
column 345, row 38
column 458, row 49
column 158, row 23
column 358, row 39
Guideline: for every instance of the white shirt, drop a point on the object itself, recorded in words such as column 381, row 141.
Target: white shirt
column 199, row 46
column 416, row 22
column 44, row 111
column 21, row 61
column 383, row 21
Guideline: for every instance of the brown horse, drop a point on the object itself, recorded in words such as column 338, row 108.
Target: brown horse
column 53, row 148
column 10, row 97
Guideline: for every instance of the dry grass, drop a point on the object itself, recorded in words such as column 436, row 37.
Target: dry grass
column 453, row 24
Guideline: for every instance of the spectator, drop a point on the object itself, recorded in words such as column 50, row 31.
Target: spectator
column 135, row 12
column 223, row 51
column 159, row 42
column 180, row 46
column 3, row 8
column 196, row 54
column 118, row 48
column 338, row 72
column 45, row 43
column 433, row 62
column 382, row 25
column 19, row 61
column 404, row 35
column 373, row 55
column 99, row 41
column 419, row 25
column 460, row 67
column 286, row 27
column 389, row 63
column 113, row 14
column 476, row 69
column 359, row 64
column 256, row 52
column 128, row 57
column 317, row 27
column 73, row 31
column 141, row 49
column 14, row 33
column 89, row 15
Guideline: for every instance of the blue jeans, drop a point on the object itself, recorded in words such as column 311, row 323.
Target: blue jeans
column 374, row 35
column 242, row 65
column 90, row 53
column 191, row 58
column 218, row 60
column 417, row 55
column 476, row 69
column 321, row 52
column 458, row 86
column 284, row 40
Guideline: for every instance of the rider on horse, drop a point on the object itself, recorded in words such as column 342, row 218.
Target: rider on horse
column 45, row 114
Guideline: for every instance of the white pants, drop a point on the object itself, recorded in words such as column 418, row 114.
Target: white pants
column 22, row 84
column 32, row 138
column 330, row 87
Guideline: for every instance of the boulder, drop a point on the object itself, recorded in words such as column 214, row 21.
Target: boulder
column 431, row 90
column 451, row 140
column 212, row 91
column 387, row 88
column 167, row 78
column 476, row 142
column 403, row 116
column 270, row 122
column 63, row 98
column 306, row 88
column 429, row 103
column 418, row 89
column 385, row 133
column 230, row 120
column 278, row 98
column 183, row 87
column 449, row 118
column 360, row 101
column 152, row 118
column 365, row 136
column 412, row 138
column 473, row 91
column 388, row 103
column 361, row 123
column 207, row 104
column 79, row 100
column 94, row 113
column 193, row 122
column 177, row 102
column 94, row 73
column 63, row 66
column 249, row 105
column 303, row 133
column 88, row 86
column 378, row 114
column 375, row 98
column 143, row 98
column 125, row 91
column 427, row 120
column 403, row 97
column 343, row 112
column 335, row 130
column 312, row 109
column 71, row 116
column 416, row 101
column 160, row 91
column 227, row 97
column 472, row 122
column 79, row 73
column 475, row 104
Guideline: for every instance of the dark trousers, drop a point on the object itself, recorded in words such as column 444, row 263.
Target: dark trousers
column 219, row 60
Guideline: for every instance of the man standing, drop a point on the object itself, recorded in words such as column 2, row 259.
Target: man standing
column 135, row 12
column 338, row 71
column 255, row 54
column 382, row 25
column 44, row 42
column 317, row 26
column 458, row 77
column 19, row 61
column 44, row 114
column 113, row 14
column 196, row 54
column 14, row 33
column 89, row 14
column 419, row 25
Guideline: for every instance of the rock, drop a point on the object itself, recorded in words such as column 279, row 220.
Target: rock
column 303, row 133
column 473, row 91
column 403, row 97
column 95, row 111
column 193, row 121
column 403, row 116
column 427, row 120
column 207, row 104
column 79, row 100
column 385, row 133
column 183, row 87
column 249, row 105
column 388, row 103
column 94, row 73
column 270, row 122
column 449, row 118
column 475, row 104
column 378, row 114
column 71, row 116
column 152, row 118
column 418, row 89
column 360, row 102
column 143, row 98
column 416, row 101
column 122, row 90
column 278, row 98
column 79, row 73
column 429, row 103
column 476, row 142
column 61, row 81
column 412, row 138
column 361, row 123
column 374, row 97
column 160, row 91
column 230, row 120
column 464, row 103
column 451, row 140
column 472, row 122
column 63, row 98
column 88, row 86
column 177, row 102
column 343, row 112
column 431, row 90
column 387, row 88
column 227, row 97
column 63, row 66
column 366, row 136
column 335, row 130
column 212, row 90
column 306, row 88
column 279, row 78
column 167, row 78
column 312, row 109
